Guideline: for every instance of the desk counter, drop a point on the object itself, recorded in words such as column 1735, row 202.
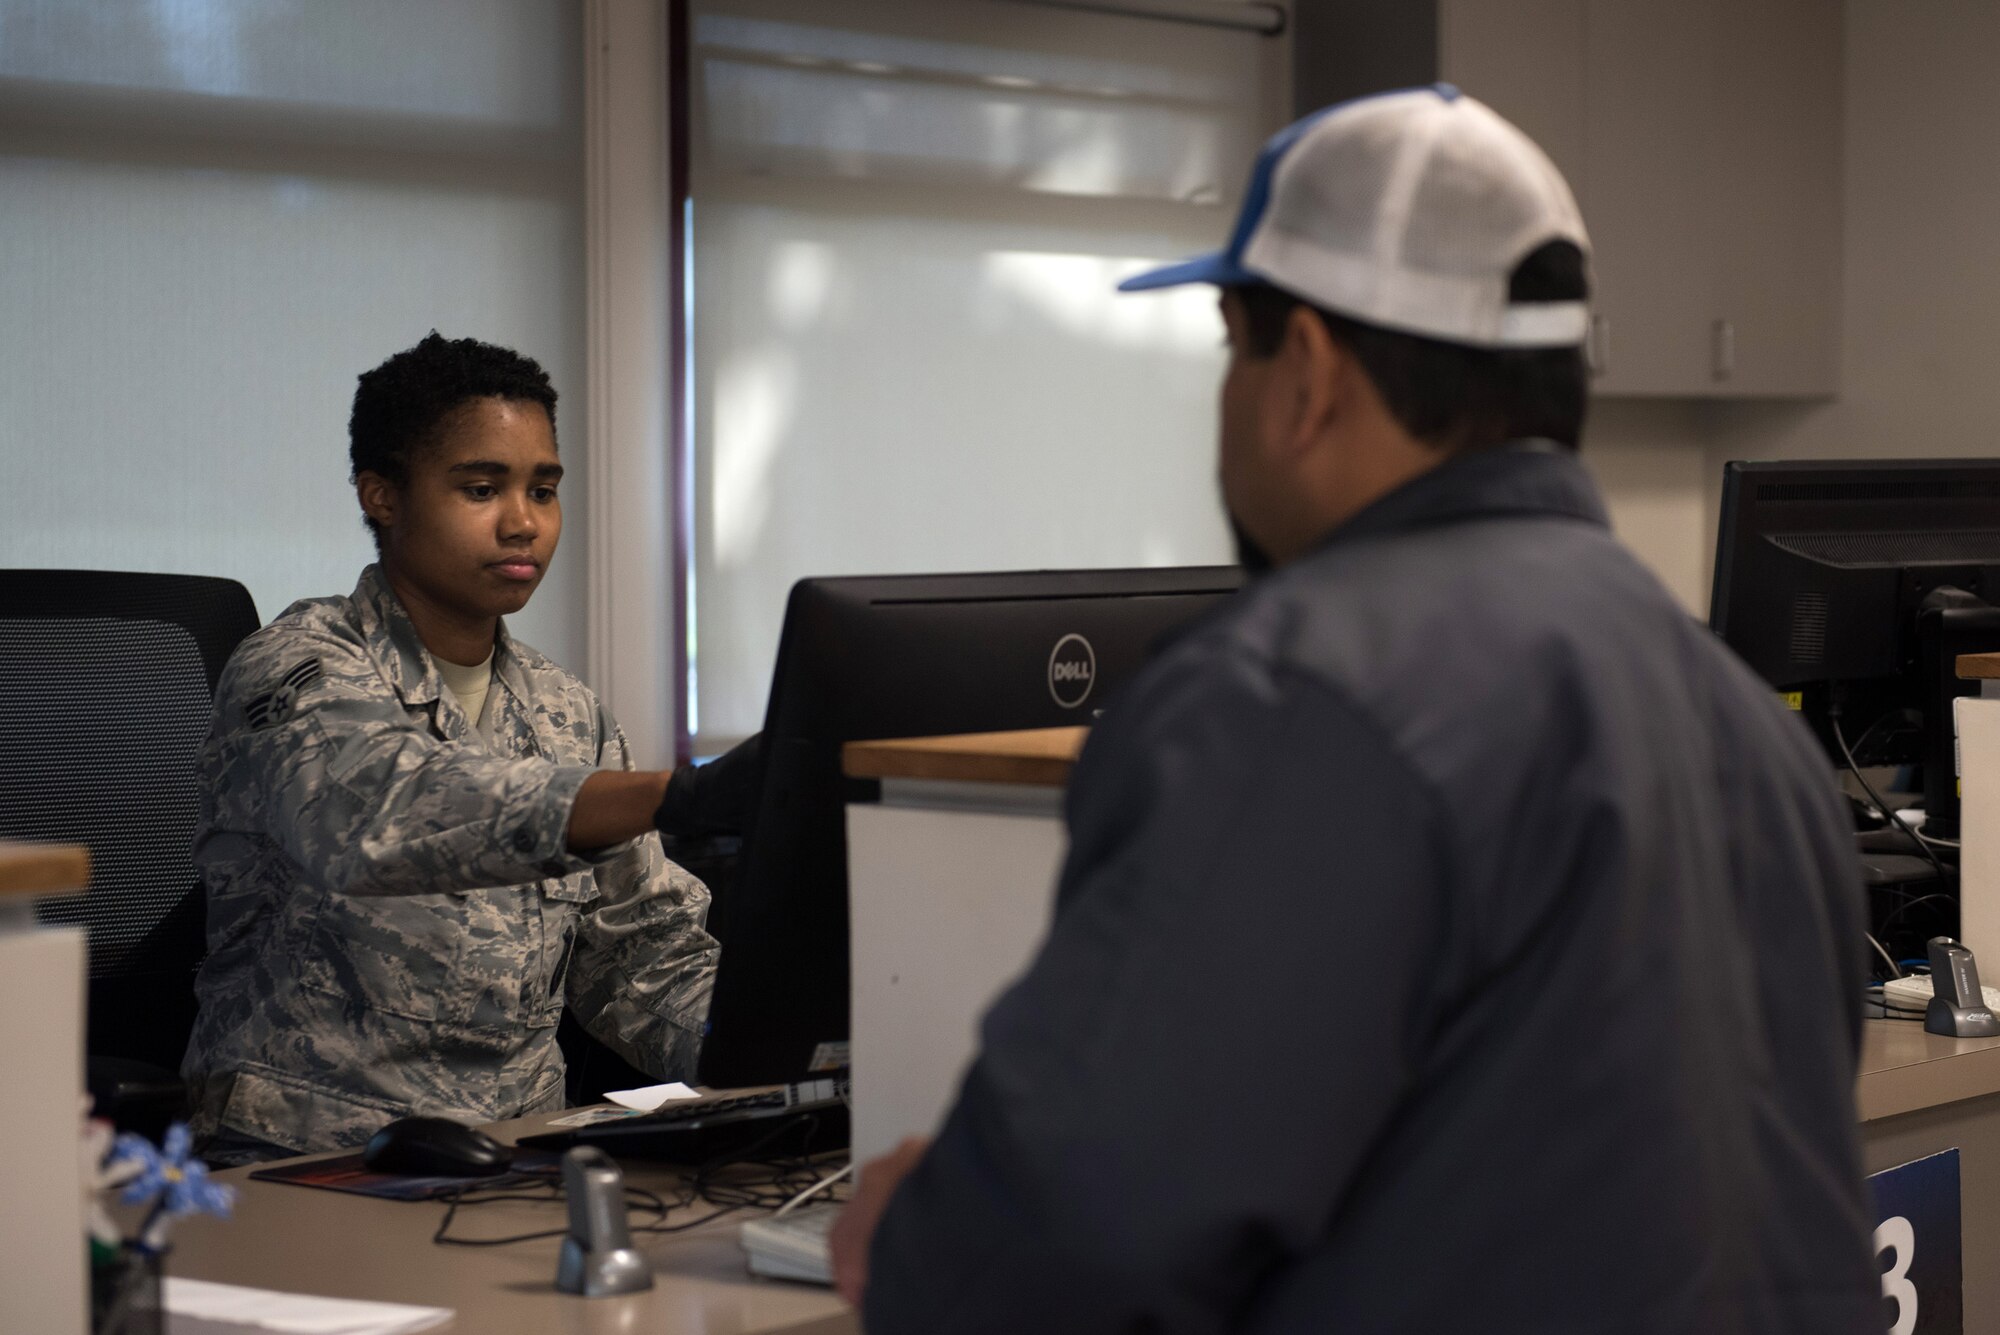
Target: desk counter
column 1904, row 1069
column 1917, row 1094
column 42, row 973
column 39, row 869
column 951, row 877
column 1920, row 1094
column 1036, row 757
column 949, row 886
column 306, row 1240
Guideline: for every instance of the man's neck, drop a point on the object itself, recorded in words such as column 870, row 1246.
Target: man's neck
column 1354, row 475
column 448, row 634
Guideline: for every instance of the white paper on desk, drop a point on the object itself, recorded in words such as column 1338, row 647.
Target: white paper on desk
column 651, row 1097
column 197, row 1307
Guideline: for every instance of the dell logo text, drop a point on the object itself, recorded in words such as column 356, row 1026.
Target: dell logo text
column 1072, row 671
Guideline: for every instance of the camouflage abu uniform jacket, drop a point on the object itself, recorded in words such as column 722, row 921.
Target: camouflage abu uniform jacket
column 394, row 925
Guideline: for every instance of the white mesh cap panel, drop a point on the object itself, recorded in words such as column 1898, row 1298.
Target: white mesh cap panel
column 1411, row 211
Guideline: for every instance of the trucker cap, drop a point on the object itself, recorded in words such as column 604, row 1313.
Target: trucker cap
column 1409, row 210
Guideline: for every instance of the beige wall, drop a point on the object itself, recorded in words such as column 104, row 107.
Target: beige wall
column 1648, row 456
column 1921, row 350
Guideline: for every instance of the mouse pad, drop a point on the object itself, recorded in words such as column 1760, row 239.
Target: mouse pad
column 346, row 1173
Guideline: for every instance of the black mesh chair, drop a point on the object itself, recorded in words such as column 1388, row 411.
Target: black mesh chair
column 106, row 684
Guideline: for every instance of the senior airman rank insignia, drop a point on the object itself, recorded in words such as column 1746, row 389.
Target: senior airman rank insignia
column 274, row 707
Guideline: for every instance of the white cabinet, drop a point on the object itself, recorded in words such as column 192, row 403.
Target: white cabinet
column 1702, row 138
column 1777, row 196
column 1649, row 93
column 948, row 901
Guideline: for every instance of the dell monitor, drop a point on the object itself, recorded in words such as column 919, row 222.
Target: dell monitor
column 898, row 656
column 1856, row 584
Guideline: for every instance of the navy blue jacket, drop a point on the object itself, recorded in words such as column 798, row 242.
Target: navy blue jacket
column 1454, row 937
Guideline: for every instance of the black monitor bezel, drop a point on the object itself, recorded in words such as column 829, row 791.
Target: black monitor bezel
column 779, row 1009
column 1888, row 651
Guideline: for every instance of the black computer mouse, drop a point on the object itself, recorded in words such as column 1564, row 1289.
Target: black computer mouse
column 435, row 1147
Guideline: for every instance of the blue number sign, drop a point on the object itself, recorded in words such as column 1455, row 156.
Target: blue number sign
column 1917, row 1244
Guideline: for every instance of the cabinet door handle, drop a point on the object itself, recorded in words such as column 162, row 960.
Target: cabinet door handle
column 1597, row 347
column 1723, row 349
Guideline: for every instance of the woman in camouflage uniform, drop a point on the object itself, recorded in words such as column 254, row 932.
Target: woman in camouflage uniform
column 421, row 839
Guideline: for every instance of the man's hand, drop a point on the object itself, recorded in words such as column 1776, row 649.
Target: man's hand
column 854, row 1231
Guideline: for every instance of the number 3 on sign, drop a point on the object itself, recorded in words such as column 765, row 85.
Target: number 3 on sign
column 1920, row 1200
column 1898, row 1237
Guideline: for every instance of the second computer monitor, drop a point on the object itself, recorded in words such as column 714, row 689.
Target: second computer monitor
column 1856, row 583
column 899, row 656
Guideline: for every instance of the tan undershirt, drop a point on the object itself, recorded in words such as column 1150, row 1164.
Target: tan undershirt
column 468, row 685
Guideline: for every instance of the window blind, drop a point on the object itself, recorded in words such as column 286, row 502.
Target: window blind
column 907, row 355
column 216, row 214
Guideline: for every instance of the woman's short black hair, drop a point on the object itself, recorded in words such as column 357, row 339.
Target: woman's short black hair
column 399, row 406
column 1452, row 395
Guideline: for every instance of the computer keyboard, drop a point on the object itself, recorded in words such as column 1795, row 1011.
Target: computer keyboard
column 792, row 1245
column 669, row 1114
column 1915, row 992
column 806, row 1118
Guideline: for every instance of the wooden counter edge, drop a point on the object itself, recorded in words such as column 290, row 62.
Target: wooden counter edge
column 1040, row 757
column 1979, row 667
column 43, row 869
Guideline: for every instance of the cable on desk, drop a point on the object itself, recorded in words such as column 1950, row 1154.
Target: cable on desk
column 1879, row 1000
column 1909, row 904
column 824, row 1184
column 552, row 1192
column 1833, row 720
column 1887, row 958
column 738, row 1181
column 720, row 1182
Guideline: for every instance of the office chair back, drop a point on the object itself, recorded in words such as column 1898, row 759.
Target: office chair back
column 106, row 685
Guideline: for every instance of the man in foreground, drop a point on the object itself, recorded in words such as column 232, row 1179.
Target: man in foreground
column 421, row 839
column 1453, row 936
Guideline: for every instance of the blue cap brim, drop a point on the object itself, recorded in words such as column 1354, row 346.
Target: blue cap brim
column 1217, row 268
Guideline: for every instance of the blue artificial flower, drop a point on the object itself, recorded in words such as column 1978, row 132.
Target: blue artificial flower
column 180, row 1182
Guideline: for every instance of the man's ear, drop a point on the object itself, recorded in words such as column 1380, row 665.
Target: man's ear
column 378, row 497
column 1317, row 366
